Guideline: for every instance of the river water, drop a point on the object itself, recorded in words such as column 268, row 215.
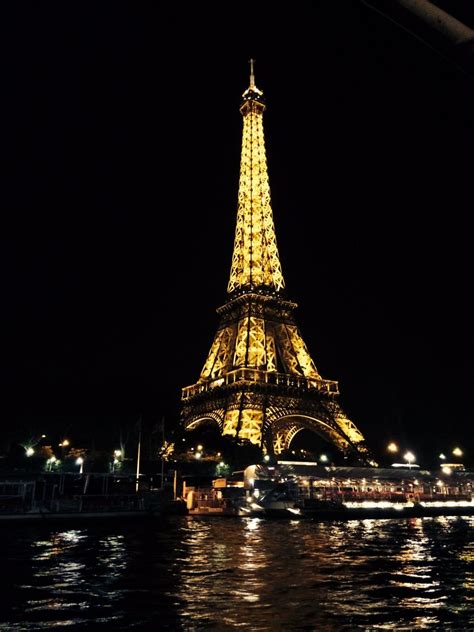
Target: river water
column 241, row 573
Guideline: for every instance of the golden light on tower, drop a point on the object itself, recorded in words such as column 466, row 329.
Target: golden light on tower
column 255, row 260
column 259, row 382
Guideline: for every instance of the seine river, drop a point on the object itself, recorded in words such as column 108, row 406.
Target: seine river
column 251, row 574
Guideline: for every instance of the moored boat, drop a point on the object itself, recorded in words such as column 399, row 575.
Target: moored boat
column 308, row 491
column 48, row 499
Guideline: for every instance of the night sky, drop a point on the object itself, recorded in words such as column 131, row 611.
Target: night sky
column 121, row 137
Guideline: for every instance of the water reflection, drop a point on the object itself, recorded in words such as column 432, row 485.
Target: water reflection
column 190, row 574
column 68, row 572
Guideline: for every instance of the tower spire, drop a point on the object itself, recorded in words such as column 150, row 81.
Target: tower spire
column 252, row 75
column 255, row 261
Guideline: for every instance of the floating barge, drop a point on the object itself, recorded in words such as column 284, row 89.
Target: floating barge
column 79, row 498
column 299, row 490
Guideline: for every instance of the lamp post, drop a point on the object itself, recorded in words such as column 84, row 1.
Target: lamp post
column 80, row 462
column 117, row 458
column 64, row 444
column 50, row 462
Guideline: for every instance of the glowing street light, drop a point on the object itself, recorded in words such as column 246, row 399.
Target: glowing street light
column 457, row 452
column 80, row 461
column 200, row 448
column 50, row 462
column 442, row 457
column 409, row 458
column 198, row 455
column 117, row 453
column 64, row 444
column 266, row 458
column 323, row 458
column 392, row 447
column 29, row 451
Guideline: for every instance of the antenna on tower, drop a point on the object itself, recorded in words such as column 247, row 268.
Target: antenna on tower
column 252, row 76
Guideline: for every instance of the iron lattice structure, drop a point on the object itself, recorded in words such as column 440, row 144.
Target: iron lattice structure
column 259, row 381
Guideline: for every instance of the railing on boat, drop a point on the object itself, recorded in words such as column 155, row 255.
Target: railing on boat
column 81, row 503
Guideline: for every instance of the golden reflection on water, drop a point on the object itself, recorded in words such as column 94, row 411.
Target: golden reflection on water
column 419, row 568
column 466, row 555
column 67, row 568
column 59, row 543
column 213, row 566
column 252, row 524
column 258, row 574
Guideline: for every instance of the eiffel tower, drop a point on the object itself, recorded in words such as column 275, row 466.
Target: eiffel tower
column 259, row 382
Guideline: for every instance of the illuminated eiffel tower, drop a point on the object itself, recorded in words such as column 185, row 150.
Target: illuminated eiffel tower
column 259, row 382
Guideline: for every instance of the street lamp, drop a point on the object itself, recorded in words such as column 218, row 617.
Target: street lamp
column 29, row 451
column 80, row 461
column 323, row 458
column 409, row 458
column 457, row 452
column 50, row 462
column 442, row 457
column 392, row 447
column 117, row 459
column 64, row 444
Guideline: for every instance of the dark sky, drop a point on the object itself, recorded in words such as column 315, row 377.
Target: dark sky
column 122, row 146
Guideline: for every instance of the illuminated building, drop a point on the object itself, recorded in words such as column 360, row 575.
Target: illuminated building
column 259, row 382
